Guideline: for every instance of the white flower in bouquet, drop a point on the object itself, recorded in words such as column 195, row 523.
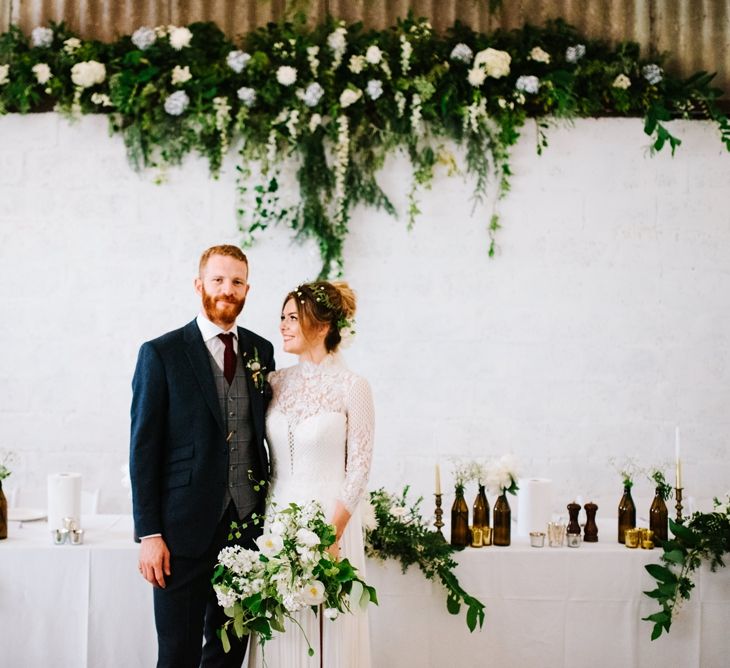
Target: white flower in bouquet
column 237, row 60
column 622, row 82
column 528, row 84
column 102, row 99
column 406, row 49
column 496, row 63
column 307, row 537
column 574, row 53
column 476, row 76
column 356, row 64
column 311, row 95
column 374, row 89
column 277, row 528
column 349, row 96
column 398, row 511
column 313, row 593
column 315, row 120
column 416, row 125
column 286, row 75
column 331, row 613
column 373, row 55
column 161, row 31
column 312, row 53
column 539, row 55
column 269, row 544
column 180, row 75
column 400, row 101
column 369, row 518
column 42, row 72
column 177, row 103
column 462, row 53
column 179, row 37
column 144, row 37
column 337, row 42
column 41, row 37
column 226, row 597
column 88, row 73
column 4, row 72
column 71, row 45
column 652, row 73
column 246, row 95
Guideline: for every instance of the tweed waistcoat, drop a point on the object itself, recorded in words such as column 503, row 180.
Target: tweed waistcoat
column 236, row 410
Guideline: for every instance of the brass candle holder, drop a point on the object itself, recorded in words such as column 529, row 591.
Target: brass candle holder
column 678, row 505
column 439, row 514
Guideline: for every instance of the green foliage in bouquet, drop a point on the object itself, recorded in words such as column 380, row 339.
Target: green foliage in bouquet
column 705, row 536
column 6, row 458
column 399, row 532
column 291, row 571
column 331, row 103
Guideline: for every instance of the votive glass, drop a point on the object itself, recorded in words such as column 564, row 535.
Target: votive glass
column 573, row 539
column 59, row 536
column 76, row 537
column 537, row 538
column 486, row 536
column 632, row 537
column 556, row 534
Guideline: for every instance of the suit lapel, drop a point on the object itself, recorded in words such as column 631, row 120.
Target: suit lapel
column 200, row 362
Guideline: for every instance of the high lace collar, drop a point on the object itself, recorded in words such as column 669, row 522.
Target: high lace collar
column 332, row 363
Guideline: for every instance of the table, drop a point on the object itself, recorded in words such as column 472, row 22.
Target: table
column 87, row 607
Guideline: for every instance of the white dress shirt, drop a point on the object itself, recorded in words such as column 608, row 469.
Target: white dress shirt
column 210, row 333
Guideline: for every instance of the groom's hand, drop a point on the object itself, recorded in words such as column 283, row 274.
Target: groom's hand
column 154, row 560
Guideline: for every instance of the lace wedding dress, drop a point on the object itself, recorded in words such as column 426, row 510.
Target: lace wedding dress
column 320, row 432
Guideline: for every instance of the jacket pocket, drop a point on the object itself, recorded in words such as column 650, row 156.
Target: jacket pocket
column 183, row 452
column 178, row 478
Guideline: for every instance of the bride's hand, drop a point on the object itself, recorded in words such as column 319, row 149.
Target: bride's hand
column 334, row 550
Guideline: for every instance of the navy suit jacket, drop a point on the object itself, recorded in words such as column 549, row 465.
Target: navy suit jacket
column 178, row 449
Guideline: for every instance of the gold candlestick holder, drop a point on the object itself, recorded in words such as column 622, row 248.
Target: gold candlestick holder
column 678, row 505
column 439, row 514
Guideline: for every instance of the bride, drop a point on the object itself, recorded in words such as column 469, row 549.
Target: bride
column 320, row 432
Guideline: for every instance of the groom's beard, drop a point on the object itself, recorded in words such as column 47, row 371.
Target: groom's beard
column 222, row 309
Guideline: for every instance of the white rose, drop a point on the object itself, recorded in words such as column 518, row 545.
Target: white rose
column 88, row 73
column 337, row 40
column 286, row 75
column 177, row 103
column 237, row 60
column 462, row 52
column 180, row 38
column 276, row 527
column 357, row 63
column 101, row 99
column 246, row 95
column 621, row 81
column 527, row 84
column 143, row 38
column 4, row 70
column 42, row 73
column 373, row 55
column 495, row 62
column 41, row 37
column 180, row 75
column 331, row 613
column 476, row 76
column 350, row 96
column 374, row 89
column 539, row 55
column 307, row 537
column 71, row 45
column 313, row 593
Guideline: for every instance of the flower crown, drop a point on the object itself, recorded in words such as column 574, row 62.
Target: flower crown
column 321, row 297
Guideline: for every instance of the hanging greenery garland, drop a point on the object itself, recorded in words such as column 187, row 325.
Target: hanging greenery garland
column 337, row 99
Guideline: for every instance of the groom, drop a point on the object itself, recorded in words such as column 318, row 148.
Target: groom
column 196, row 452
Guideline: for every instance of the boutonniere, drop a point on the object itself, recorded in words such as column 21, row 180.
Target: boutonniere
column 257, row 370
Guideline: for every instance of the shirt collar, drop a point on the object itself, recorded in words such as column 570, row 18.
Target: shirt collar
column 210, row 330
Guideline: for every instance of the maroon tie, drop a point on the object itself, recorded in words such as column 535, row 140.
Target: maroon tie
column 229, row 356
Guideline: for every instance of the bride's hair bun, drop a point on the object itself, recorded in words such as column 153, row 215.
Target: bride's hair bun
column 325, row 303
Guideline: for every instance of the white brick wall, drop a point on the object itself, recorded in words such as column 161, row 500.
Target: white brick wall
column 602, row 323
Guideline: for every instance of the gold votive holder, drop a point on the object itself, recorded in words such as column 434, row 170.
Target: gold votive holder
column 647, row 535
column 632, row 538
column 477, row 537
column 537, row 538
column 486, row 536
column 573, row 539
column 647, row 544
column 76, row 537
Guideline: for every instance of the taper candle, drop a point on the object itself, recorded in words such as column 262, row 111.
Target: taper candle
column 678, row 461
column 438, row 479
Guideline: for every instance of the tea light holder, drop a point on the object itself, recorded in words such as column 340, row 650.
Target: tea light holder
column 632, row 538
column 556, row 534
column 486, row 536
column 574, row 539
column 76, row 537
column 59, row 536
column 537, row 538
column 477, row 537
column 647, row 539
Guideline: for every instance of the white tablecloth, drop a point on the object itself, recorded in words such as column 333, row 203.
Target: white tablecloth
column 86, row 606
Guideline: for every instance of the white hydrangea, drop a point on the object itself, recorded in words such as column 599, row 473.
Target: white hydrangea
column 476, row 76
column 311, row 95
column 4, row 72
column 42, row 72
column 496, row 63
column 349, row 96
column 356, row 64
column 622, row 82
column 101, row 99
column 179, row 37
column 373, row 55
column 574, row 53
column 539, row 55
column 41, row 37
column 237, row 60
column 226, row 597
column 180, row 75
column 177, row 103
column 462, row 52
column 652, row 73
column 528, row 84
column 71, row 45
column 286, row 75
column 144, row 37
column 246, row 95
column 88, row 73
column 374, row 89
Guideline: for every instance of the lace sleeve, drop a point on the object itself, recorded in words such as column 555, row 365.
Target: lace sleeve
column 360, row 427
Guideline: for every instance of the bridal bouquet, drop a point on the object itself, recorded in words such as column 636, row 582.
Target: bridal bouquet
column 292, row 571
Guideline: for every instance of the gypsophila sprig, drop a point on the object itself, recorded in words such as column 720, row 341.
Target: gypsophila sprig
column 6, row 459
column 703, row 537
column 627, row 468
column 463, row 472
column 291, row 571
column 396, row 530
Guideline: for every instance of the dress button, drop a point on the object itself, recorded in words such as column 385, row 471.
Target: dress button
column 231, row 399
column 231, row 414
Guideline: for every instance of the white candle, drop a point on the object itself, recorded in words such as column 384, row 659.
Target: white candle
column 677, row 460
column 438, row 479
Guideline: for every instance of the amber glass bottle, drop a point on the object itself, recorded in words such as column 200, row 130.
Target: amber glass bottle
column 480, row 510
column 502, row 529
column 659, row 518
column 626, row 514
column 460, row 520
